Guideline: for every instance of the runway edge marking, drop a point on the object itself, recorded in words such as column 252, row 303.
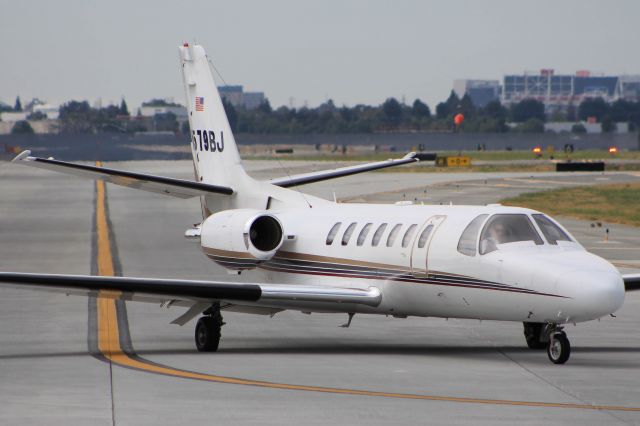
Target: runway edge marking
column 111, row 326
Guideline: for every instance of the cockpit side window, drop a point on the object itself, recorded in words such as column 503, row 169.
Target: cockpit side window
column 332, row 233
column 551, row 231
column 507, row 228
column 467, row 242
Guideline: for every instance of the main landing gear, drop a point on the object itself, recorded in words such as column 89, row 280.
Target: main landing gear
column 208, row 329
column 549, row 336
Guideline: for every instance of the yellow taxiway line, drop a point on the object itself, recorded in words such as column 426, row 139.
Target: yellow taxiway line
column 109, row 343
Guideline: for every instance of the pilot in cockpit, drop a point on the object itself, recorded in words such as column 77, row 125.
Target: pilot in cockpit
column 495, row 234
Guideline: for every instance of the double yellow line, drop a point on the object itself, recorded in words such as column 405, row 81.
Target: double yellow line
column 110, row 347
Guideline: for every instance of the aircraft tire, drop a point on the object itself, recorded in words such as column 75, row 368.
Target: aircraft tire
column 559, row 348
column 532, row 333
column 208, row 334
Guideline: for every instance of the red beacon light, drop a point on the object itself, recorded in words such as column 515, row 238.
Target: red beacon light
column 613, row 150
column 185, row 44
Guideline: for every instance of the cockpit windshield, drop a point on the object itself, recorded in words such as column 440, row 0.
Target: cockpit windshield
column 552, row 232
column 507, row 228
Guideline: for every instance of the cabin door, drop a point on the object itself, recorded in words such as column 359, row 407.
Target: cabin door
column 421, row 243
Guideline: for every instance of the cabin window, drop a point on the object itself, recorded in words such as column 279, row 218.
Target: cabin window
column 551, row 231
column 507, row 228
column 378, row 234
column 393, row 234
column 407, row 235
column 424, row 236
column 363, row 233
column 332, row 233
column 347, row 233
column 469, row 237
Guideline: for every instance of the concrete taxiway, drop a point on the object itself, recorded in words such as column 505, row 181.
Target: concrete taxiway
column 65, row 360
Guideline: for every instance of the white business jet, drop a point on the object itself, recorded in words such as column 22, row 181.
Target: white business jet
column 483, row 262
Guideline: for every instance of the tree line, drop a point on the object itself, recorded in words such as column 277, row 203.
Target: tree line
column 390, row 116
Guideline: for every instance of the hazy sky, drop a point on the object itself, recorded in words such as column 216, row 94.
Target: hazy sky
column 349, row 51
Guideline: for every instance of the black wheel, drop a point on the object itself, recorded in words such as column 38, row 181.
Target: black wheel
column 559, row 348
column 208, row 334
column 532, row 333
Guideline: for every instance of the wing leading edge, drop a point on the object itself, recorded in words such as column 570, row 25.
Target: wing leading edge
column 162, row 290
column 179, row 188
column 305, row 178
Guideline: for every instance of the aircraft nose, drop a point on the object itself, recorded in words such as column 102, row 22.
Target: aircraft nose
column 596, row 293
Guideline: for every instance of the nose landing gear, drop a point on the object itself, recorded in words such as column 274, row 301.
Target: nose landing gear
column 559, row 347
column 549, row 337
column 208, row 327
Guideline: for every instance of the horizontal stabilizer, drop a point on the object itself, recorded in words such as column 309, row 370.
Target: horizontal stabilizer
column 631, row 282
column 303, row 179
column 179, row 188
column 160, row 290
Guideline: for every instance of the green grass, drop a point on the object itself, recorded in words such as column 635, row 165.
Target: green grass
column 618, row 203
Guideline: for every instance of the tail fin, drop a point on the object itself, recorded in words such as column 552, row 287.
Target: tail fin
column 215, row 154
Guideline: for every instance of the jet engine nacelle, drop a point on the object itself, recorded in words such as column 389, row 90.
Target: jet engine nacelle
column 241, row 238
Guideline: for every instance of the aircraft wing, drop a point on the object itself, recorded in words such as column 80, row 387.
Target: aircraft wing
column 179, row 188
column 303, row 179
column 195, row 292
column 631, row 282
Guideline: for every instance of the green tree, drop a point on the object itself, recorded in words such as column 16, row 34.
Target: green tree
column 77, row 117
column 124, row 109
column 166, row 122
column 453, row 102
column 420, row 109
column 442, row 110
column 22, row 127
column 607, row 125
column 18, row 105
column 466, row 106
column 392, row 112
column 232, row 114
column 265, row 107
column 526, row 110
column 578, row 128
column 597, row 108
column 494, row 109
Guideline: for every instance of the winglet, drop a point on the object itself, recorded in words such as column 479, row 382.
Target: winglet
column 411, row 154
column 22, row 156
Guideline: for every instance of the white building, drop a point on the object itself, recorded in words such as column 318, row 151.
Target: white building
column 149, row 109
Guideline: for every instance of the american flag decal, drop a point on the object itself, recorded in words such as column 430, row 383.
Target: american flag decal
column 199, row 103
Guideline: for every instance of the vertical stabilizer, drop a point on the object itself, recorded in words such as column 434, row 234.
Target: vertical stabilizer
column 215, row 154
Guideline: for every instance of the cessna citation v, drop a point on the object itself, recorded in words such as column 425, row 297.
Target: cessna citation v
column 480, row 262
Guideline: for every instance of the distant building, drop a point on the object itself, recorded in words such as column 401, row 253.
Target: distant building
column 232, row 94
column 559, row 91
column 161, row 106
column 567, row 126
column 629, row 87
column 237, row 97
column 481, row 92
column 51, row 111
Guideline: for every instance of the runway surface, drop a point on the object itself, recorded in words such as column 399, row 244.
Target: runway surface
column 67, row 360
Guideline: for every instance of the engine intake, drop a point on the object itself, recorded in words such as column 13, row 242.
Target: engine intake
column 241, row 238
column 265, row 233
